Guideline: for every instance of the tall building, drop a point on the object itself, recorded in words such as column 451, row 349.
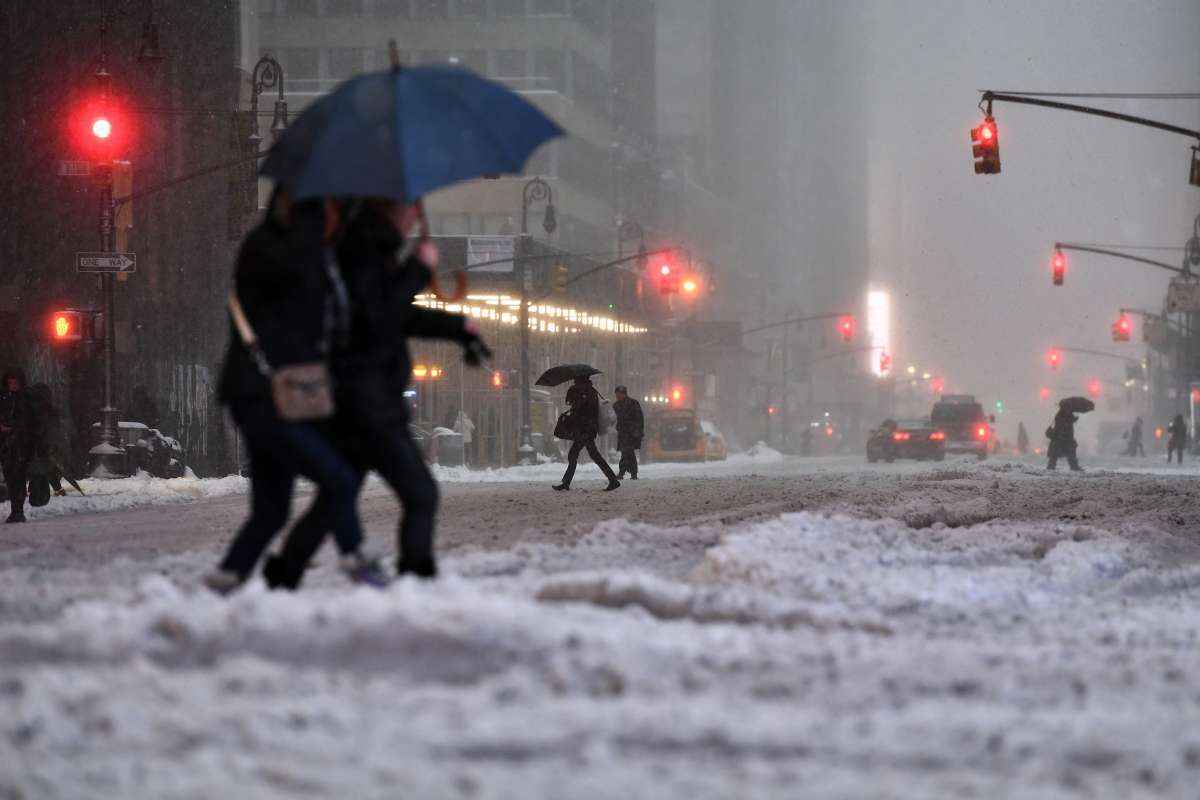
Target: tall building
column 586, row 63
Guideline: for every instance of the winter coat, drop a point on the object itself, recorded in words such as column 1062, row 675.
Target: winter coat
column 630, row 423
column 1064, row 428
column 373, row 367
column 16, row 441
column 46, row 445
column 281, row 284
column 1178, row 433
column 584, row 401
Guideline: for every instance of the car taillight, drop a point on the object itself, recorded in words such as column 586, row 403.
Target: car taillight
column 900, row 436
column 981, row 432
column 937, row 436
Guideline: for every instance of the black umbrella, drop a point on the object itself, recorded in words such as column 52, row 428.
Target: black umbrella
column 1077, row 405
column 566, row 372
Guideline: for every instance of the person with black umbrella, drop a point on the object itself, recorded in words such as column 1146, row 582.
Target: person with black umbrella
column 1062, row 433
column 630, row 429
column 584, row 416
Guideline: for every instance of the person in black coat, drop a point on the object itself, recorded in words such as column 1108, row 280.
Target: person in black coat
column 630, row 429
column 584, row 401
column 1177, row 438
column 285, row 292
column 15, row 440
column 373, row 369
column 1062, row 440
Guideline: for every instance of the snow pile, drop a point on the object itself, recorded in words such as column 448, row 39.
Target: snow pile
column 113, row 494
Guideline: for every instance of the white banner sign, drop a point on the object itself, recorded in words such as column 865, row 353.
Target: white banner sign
column 488, row 249
column 1183, row 296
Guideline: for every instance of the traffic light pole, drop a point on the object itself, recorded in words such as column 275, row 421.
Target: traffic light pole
column 989, row 97
column 1115, row 254
column 107, row 458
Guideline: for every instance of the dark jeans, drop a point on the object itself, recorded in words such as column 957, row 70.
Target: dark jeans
column 16, row 477
column 573, row 459
column 279, row 451
column 1066, row 451
column 628, row 462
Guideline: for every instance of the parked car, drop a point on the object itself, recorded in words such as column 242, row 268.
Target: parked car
column 915, row 439
column 147, row 449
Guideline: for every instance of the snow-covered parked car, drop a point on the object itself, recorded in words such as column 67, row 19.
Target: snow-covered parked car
column 148, row 449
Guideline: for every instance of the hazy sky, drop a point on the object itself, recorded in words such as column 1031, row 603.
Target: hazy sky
column 968, row 256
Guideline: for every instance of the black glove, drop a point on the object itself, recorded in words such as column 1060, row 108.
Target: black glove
column 475, row 352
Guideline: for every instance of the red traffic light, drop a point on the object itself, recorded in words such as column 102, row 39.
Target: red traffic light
column 101, row 128
column 846, row 328
column 1044, row 393
column 1058, row 267
column 938, row 385
column 885, row 363
column 677, row 396
column 1094, row 387
column 1122, row 329
column 985, row 147
column 66, row 326
column 1054, row 358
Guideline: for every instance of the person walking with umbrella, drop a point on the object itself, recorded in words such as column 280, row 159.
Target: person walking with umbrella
column 1177, row 438
column 1062, row 432
column 1022, row 439
column 584, row 427
column 630, row 429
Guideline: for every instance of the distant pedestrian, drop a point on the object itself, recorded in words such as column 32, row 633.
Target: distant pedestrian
column 1022, row 439
column 1062, row 440
column 1136, row 448
column 15, row 440
column 584, row 401
column 46, row 445
column 1177, row 438
column 630, row 430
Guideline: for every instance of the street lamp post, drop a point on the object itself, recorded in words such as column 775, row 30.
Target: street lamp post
column 267, row 74
column 626, row 231
column 536, row 190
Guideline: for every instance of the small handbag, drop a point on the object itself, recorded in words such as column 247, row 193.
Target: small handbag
column 565, row 427
column 301, row 392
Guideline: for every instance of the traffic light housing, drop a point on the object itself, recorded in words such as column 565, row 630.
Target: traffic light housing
column 985, row 147
column 70, row 326
column 1058, row 267
column 1122, row 329
column 560, row 276
column 846, row 328
column 1054, row 358
column 689, row 286
column 1094, row 387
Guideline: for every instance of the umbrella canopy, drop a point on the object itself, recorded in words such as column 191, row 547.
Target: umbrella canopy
column 406, row 132
column 1077, row 405
column 566, row 372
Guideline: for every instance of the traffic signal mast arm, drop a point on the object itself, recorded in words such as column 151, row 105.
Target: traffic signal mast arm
column 1126, row 256
column 1097, row 354
column 988, row 97
column 839, row 354
column 796, row 320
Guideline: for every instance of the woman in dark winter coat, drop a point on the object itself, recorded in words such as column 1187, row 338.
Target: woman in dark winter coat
column 373, row 370
column 1177, row 439
column 284, row 290
column 584, row 401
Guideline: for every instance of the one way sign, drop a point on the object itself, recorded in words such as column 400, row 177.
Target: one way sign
column 105, row 262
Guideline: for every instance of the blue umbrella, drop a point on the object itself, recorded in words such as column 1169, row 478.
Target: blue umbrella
column 406, row 132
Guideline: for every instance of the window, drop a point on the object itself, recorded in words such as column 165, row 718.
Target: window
column 300, row 8
column 301, row 64
column 593, row 14
column 345, row 62
column 549, row 70
column 392, row 8
column 590, row 85
column 509, row 8
column 510, row 63
column 431, row 9
column 472, row 8
column 474, row 60
column 343, row 8
column 548, row 7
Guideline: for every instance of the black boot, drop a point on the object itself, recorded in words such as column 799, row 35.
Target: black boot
column 17, row 515
column 279, row 575
column 421, row 567
column 562, row 487
column 613, row 483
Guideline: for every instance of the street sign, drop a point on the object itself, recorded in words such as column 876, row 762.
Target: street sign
column 106, row 262
column 1183, row 296
column 489, row 249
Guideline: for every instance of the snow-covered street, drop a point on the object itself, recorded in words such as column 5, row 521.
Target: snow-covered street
column 765, row 627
